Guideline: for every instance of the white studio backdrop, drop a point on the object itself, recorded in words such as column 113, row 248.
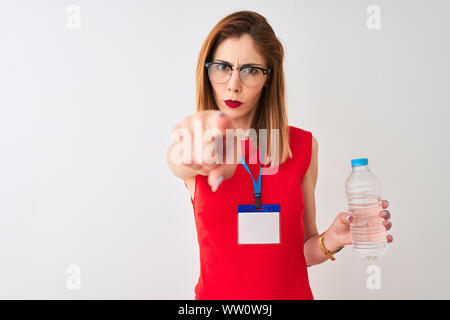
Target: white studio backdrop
column 89, row 91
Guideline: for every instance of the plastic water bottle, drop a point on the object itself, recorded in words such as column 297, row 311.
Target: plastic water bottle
column 364, row 203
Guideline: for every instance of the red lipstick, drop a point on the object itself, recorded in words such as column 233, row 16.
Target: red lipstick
column 233, row 103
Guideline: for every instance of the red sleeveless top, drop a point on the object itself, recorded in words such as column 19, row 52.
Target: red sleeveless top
column 229, row 271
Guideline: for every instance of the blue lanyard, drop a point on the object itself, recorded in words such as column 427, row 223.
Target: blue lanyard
column 256, row 185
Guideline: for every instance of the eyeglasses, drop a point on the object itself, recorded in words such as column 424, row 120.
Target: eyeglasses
column 250, row 76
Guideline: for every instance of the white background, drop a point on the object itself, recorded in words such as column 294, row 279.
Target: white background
column 85, row 119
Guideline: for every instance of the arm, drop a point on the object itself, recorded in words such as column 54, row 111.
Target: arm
column 313, row 254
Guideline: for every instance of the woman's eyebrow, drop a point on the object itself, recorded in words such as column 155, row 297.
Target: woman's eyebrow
column 245, row 64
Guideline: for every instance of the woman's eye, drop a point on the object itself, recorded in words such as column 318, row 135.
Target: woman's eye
column 222, row 67
column 251, row 70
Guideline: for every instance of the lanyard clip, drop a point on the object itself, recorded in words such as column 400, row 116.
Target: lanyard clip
column 258, row 200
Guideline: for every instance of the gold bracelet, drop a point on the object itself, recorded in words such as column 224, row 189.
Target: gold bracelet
column 325, row 250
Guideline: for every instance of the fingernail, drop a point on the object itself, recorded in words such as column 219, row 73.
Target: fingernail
column 388, row 223
column 384, row 213
column 387, row 203
column 218, row 183
column 348, row 218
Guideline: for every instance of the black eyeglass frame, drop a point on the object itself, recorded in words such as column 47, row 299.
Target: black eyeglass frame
column 264, row 71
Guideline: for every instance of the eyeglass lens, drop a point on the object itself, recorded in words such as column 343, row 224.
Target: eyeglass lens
column 221, row 73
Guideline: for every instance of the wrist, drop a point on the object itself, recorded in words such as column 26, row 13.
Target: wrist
column 331, row 241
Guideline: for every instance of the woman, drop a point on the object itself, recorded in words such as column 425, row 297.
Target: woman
column 240, row 85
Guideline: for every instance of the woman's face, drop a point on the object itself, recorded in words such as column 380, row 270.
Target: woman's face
column 237, row 52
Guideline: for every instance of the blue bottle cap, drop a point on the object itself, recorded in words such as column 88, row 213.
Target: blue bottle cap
column 360, row 162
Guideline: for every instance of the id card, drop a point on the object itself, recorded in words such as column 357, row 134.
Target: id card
column 259, row 226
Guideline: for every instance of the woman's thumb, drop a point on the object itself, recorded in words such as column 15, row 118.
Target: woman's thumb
column 346, row 217
column 217, row 175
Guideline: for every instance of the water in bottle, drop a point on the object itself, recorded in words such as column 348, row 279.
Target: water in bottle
column 364, row 203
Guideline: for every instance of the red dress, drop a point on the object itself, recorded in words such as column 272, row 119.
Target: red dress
column 230, row 271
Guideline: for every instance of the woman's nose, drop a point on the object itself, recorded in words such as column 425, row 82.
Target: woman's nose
column 234, row 84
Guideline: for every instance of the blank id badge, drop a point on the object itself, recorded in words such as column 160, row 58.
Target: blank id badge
column 259, row 226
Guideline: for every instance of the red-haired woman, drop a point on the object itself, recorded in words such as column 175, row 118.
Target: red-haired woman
column 257, row 232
